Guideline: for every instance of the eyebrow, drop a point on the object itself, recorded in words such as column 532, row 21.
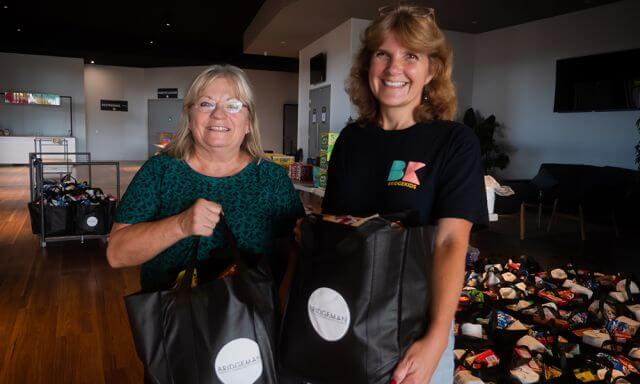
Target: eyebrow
column 405, row 52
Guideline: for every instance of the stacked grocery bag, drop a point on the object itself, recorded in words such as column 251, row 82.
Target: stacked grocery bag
column 517, row 323
column 72, row 208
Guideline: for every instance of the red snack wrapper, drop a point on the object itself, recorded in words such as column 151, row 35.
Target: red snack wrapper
column 487, row 358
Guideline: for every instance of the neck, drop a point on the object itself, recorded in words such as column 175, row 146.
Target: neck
column 217, row 163
column 392, row 119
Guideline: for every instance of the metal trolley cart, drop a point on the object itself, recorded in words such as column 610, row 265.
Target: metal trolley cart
column 37, row 181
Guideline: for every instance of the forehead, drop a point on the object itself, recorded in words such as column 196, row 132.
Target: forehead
column 393, row 42
column 219, row 88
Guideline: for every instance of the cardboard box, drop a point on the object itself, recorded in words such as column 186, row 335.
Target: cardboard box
column 280, row 159
column 327, row 140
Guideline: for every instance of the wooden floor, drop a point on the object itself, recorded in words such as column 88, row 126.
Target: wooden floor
column 62, row 315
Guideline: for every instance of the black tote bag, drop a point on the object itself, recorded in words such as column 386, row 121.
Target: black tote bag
column 358, row 301
column 218, row 332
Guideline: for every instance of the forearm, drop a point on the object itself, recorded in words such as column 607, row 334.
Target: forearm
column 447, row 281
column 138, row 243
column 448, row 276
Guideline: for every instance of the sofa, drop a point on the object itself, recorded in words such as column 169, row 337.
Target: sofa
column 583, row 192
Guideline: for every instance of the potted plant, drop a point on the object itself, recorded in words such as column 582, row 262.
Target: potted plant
column 494, row 155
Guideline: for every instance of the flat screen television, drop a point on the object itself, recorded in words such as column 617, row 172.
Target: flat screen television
column 604, row 82
column 318, row 68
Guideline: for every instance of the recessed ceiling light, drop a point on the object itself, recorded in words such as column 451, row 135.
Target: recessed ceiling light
column 150, row 41
column 92, row 62
column 167, row 24
column 18, row 30
column 6, row 7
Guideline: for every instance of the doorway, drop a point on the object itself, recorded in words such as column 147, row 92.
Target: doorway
column 164, row 117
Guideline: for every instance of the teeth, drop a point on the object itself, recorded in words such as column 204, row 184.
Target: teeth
column 396, row 84
column 218, row 129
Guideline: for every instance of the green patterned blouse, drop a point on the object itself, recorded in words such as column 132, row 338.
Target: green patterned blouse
column 260, row 204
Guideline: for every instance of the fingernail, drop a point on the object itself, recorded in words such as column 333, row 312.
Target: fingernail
column 393, row 382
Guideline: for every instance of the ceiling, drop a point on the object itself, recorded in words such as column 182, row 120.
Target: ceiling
column 156, row 34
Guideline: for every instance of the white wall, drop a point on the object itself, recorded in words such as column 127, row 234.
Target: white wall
column 107, row 129
column 114, row 135
column 43, row 74
column 514, row 79
column 337, row 45
column 463, row 67
column 341, row 45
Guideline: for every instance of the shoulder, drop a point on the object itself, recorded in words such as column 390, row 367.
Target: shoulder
column 354, row 131
column 456, row 133
column 160, row 162
column 268, row 168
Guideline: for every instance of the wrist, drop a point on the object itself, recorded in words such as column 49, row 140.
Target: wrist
column 176, row 223
column 438, row 339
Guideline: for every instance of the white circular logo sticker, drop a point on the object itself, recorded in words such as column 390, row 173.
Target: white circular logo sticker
column 329, row 314
column 239, row 362
column 92, row 221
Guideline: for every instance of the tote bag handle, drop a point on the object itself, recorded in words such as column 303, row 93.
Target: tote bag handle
column 193, row 259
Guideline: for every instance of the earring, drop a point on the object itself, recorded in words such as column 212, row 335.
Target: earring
column 425, row 94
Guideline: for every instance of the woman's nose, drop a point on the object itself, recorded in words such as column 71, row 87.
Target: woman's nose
column 394, row 66
column 218, row 111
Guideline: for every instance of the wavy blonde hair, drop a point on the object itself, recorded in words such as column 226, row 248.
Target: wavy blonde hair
column 182, row 144
column 419, row 33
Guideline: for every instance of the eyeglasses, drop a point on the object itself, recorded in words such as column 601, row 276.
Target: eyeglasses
column 416, row 10
column 231, row 106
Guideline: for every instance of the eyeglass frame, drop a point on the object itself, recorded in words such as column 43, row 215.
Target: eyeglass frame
column 215, row 106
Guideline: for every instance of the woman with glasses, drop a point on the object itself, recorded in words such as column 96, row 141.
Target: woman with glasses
column 405, row 153
column 214, row 165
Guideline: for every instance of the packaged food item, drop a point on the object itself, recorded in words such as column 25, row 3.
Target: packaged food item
column 520, row 305
column 231, row 270
column 558, row 274
column 585, row 375
column 486, row 358
column 593, row 337
column 559, row 297
column 577, row 288
column 635, row 309
column 621, row 286
column 551, row 372
column 464, row 376
column 509, row 277
column 525, row 374
column 532, row 343
column 473, row 330
column 609, row 312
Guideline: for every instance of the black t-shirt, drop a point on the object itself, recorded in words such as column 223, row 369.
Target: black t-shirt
column 433, row 169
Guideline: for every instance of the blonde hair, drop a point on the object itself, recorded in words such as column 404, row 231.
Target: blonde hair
column 418, row 32
column 182, row 144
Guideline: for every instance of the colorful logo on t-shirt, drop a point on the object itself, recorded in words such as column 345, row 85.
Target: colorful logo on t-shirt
column 403, row 174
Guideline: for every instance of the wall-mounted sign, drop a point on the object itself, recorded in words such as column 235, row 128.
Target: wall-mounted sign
column 167, row 93
column 31, row 98
column 114, row 105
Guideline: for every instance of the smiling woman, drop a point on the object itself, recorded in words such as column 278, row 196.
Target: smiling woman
column 404, row 154
column 213, row 166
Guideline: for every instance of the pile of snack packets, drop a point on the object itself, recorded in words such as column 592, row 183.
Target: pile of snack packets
column 517, row 323
column 69, row 191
